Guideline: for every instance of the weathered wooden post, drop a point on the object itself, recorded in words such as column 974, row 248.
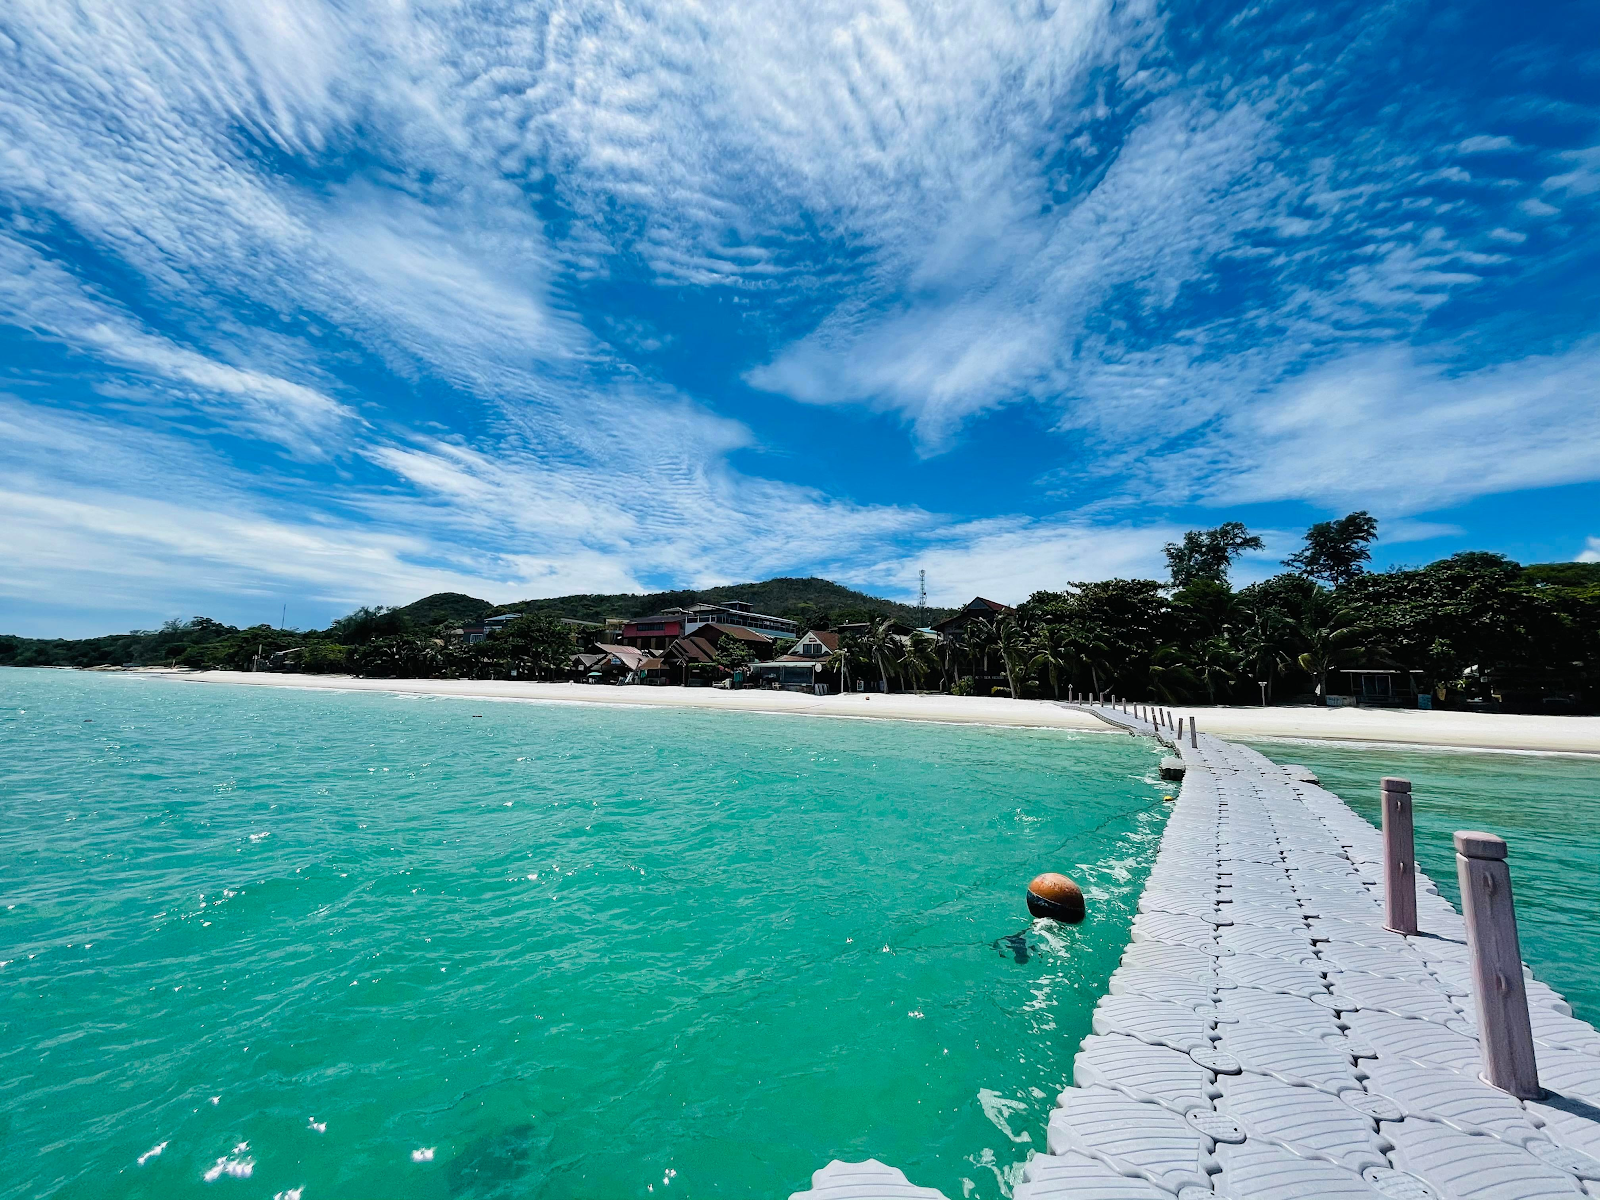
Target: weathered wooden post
column 1399, row 857
column 1505, row 1036
column 1180, row 729
column 1194, row 732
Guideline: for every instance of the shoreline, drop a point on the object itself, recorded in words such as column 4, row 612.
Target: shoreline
column 1516, row 732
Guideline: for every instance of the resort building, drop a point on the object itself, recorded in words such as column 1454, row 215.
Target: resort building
column 657, row 631
column 477, row 631
column 805, row 668
column 975, row 609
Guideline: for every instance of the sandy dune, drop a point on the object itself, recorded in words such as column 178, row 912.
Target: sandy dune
column 1492, row 731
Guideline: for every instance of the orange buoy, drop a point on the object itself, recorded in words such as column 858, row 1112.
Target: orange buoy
column 1057, row 897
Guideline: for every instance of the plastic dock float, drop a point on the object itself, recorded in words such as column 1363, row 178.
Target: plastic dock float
column 1267, row 1038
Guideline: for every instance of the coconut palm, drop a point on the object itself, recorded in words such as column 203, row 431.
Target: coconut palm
column 1331, row 637
column 883, row 647
column 918, row 659
column 979, row 639
column 1012, row 640
column 1055, row 652
column 1170, row 676
column 1213, row 661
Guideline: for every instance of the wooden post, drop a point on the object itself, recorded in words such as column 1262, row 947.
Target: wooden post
column 1399, row 857
column 1505, row 1038
column 1180, row 729
column 1194, row 732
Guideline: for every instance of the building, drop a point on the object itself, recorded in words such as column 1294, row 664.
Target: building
column 817, row 644
column 657, row 631
column 616, row 664
column 1371, row 688
column 805, row 668
column 974, row 610
column 477, row 631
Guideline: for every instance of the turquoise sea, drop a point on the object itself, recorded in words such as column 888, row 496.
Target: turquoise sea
column 263, row 942
column 1546, row 806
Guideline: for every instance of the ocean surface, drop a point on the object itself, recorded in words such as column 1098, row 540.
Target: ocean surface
column 274, row 943
column 1546, row 806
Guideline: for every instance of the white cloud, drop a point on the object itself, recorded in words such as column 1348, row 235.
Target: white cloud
column 1400, row 436
column 1590, row 552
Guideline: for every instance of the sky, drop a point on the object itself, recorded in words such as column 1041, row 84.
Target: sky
column 304, row 306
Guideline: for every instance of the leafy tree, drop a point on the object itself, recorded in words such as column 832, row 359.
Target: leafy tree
column 367, row 623
column 733, row 654
column 537, row 644
column 1335, row 551
column 1208, row 553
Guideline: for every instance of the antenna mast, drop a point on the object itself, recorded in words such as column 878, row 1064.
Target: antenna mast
column 922, row 596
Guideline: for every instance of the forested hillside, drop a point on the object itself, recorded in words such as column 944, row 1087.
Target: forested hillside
column 1474, row 628
column 202, row 642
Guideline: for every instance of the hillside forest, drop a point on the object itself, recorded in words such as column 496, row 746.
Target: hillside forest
column 1478, row 630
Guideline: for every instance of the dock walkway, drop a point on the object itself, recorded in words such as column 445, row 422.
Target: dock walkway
column 1266, row 1038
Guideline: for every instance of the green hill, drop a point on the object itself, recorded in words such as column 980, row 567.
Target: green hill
column 454, row 607
column 808, row 601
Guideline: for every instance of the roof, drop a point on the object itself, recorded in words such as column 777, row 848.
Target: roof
column 735, row 631
column 629, row 656
column 695, row 649
column 978, row 606
column 828, row 637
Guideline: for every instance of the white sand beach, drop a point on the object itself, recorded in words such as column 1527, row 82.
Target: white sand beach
column 1485, row 731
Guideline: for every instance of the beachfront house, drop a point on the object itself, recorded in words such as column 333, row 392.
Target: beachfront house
column 805, row 668
column 1366, row 687
column 618, row 664
column 975, row 609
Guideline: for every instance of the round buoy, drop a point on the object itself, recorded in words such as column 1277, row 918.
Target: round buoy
column 1057, row 897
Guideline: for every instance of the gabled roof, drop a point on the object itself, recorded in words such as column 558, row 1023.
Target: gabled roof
column 630, row 657
column 735, row 631
column 976, row 608
column 693, row 649
column 828, row 637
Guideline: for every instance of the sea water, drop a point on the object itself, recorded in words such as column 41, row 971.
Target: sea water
column 267, row 942
column 1546, row 806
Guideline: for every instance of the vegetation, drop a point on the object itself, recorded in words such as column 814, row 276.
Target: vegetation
column 1477, row 628
column 811, row 603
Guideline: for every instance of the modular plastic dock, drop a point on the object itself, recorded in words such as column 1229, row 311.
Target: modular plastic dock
column 1266, row 1038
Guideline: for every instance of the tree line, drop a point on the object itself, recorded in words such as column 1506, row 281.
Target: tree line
column 1477, row 627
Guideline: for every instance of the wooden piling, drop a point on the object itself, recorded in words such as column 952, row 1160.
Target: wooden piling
column 1505, row 1037
column 1399, row 857
column 1194, row 734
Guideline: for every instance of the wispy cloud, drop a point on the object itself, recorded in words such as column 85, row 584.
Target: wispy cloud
column 347, row 286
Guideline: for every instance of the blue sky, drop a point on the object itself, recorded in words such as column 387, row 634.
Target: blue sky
column 320, row 306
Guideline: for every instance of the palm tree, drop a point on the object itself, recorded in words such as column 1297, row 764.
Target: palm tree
column 1094, row 653
column 1330, row 638
column 979, row 638
column 884, row 648
column 1055, row 652
column 1261, row 642
column 848, row 653
column 1012, row 640
column 918, row 658
column 1211, row 661
column 1170, row 675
